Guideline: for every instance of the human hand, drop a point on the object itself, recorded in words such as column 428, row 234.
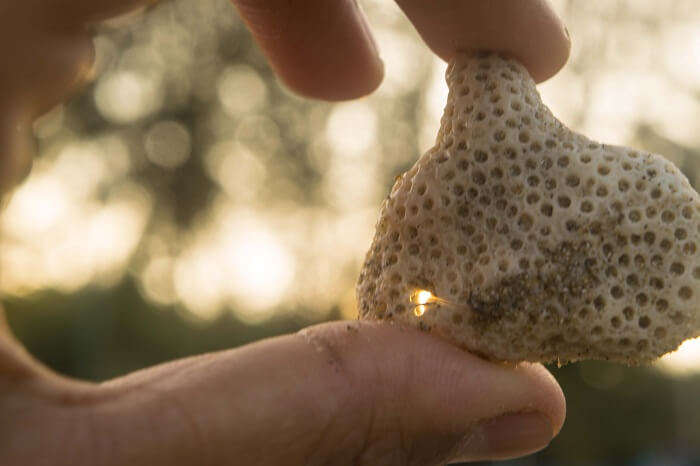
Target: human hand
column 319, row 48
column 338, row 393
column 335, row 393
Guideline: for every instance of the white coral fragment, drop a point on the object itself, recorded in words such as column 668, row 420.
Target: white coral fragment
column 534, row 242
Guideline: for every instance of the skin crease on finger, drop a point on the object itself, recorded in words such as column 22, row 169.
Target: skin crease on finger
column 360, row 384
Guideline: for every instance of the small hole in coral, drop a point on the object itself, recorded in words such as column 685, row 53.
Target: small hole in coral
column 656, row 282
column 572, row 180
column 649, row 237
column 689, row 248
column 677, row 268
column 525, row 222
column 480, row 156
column 642, row 299
column 685, row 293
column 661, row 305
column 532, row 198
column 644, row 322
column 533, row 180
column 616, row 292
column 599, row 303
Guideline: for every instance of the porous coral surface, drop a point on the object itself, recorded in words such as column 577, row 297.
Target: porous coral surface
column 530, row 241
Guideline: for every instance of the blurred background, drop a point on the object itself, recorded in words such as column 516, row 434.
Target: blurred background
column 186, row 202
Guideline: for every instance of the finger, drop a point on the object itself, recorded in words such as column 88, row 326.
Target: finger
column 341, row 392
column 16, row 146
column 529, row 30
column 43, row 68
column 48, row 54
column 85, row 11
column 319, row 48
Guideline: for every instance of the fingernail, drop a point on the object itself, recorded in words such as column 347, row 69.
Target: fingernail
column 507, row 436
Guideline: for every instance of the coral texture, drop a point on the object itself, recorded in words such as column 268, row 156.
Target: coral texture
column 519, row 239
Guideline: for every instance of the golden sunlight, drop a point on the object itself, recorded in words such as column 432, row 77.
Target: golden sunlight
column 351, row 130
column 419, row 310
column 683, row 362
column 422, row 297
column 235, row 260
column 261, row 270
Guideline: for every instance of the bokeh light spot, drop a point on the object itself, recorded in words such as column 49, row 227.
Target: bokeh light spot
column 241, row 90
column 127, row 96
column 351, row 129
column 167, row 144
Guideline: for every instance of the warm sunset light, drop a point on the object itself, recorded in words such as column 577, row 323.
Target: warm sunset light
column 422, row 297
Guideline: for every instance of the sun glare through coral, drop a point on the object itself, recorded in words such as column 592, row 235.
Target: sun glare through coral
column 683, row 362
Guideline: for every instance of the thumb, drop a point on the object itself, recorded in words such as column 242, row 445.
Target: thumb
column 339, row 393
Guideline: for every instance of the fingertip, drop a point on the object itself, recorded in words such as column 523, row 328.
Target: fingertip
column 551, row 400
column 319, row 49
column 448, row 393
column 546, row 60
column 528, row 30
column 333, row 86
